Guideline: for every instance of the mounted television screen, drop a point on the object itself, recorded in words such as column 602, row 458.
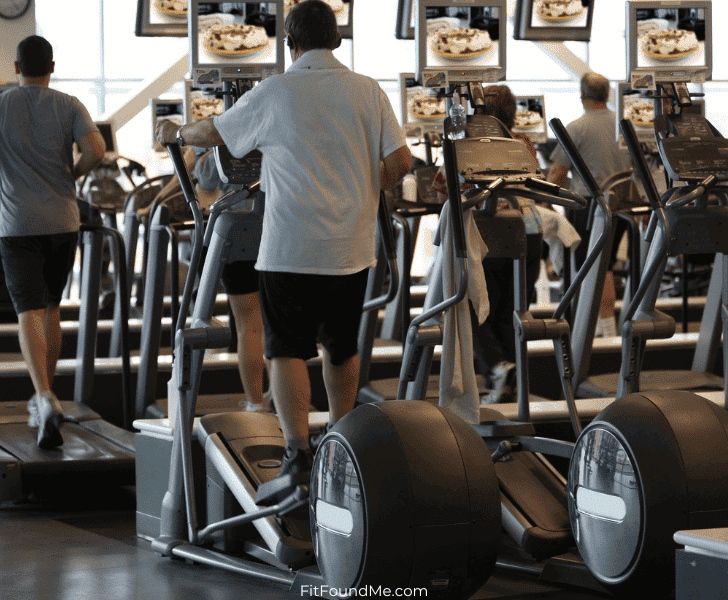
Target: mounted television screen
column 422, row 110
column 108, row 132
column 165, row 109
column 554, row 20
column 531, row 118
column 161, row 18
column 235, row 40
column 461, row 40
column 674, row 43
column 200, row 103
column 639, row 110
column 405, row 20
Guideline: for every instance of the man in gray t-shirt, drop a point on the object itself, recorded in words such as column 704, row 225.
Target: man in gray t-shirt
column 39, row 217
column 594, row 137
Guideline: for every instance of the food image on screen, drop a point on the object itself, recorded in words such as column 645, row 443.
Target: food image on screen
column 173, row 8
column 421, row 105
column 234, row 34
column 460, row 43
column 235, row 39
column 527, row 119
column 462, row 37
column 204, row 106
column 669, row 44
column 670, row 36
column 558, row 10
column 639, row 111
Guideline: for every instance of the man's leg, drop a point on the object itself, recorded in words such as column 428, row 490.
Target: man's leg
column 292, row 397
column 34, row 345
column 52, row 328
column 341, row 383
column 249, row 329
column 38, row 343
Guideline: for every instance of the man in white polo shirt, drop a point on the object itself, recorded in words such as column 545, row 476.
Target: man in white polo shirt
column 330, row 142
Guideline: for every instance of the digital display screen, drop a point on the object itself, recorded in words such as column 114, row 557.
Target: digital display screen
column 343, row 9
column 560, row 13
column 168, row 12
column 639, row 110
column 107, row 132
column 670, row 36
column 235, row 39
column 531, row 118
column 201, row 103
column 462, row 36
column 422, row 110
column 167, row 18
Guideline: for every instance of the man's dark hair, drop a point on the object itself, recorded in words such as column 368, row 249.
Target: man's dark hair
column 501, row 105
column 312, row 24
column 35, row 56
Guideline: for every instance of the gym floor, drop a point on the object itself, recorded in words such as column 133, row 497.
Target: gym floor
column 83, row 546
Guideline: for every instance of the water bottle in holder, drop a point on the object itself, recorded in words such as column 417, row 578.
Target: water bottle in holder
column 457, row 121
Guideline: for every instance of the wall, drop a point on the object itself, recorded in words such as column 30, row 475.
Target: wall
column 11, row 33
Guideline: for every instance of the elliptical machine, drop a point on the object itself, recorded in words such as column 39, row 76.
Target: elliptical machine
column 653, row 463
column 386, row 544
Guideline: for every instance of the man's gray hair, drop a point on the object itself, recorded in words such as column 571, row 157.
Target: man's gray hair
column 595, row 87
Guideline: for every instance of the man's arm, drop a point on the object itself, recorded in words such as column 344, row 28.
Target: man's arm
column 202, row 133
column 92, row 148
column 558, row 175
column 394, row 167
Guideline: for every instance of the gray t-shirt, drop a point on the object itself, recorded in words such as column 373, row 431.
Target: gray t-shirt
column 594, row 136
column 38, row 127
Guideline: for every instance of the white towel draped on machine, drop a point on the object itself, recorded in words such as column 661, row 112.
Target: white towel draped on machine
column 458, row 385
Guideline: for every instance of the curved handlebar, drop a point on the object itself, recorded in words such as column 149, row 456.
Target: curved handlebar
column 703, row 187
column 180, row 168
column 543, row 191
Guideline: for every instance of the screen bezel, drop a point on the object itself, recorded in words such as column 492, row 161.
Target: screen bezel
column 677, row 73
column 347, row 31
column 111, row 125
column 523, row 30
column 454, row 74
column 219, row 72
column 405, row 16
column 145, row 28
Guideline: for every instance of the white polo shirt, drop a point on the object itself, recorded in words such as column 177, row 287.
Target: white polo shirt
column 322, row 130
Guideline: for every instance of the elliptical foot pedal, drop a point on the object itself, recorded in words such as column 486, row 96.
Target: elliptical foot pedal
column 277, row 490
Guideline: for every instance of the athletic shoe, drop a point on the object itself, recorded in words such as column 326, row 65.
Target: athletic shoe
column 33, row 412
column 316, row 439
column 295, row 470
column 265, row 406
column 49, row 416
column 503, row 383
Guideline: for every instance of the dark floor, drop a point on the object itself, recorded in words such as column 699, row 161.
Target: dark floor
column 84, row 547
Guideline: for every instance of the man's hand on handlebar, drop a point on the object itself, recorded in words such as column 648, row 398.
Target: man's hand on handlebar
column 166, row 131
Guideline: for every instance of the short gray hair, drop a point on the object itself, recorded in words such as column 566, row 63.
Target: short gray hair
column 595, row 87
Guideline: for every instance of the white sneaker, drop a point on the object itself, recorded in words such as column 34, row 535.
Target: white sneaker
column 33, row 412
column 265, row 406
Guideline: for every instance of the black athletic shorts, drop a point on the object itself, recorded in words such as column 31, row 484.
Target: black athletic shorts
column 37, row 267
column 300, row 310
column 240, row 277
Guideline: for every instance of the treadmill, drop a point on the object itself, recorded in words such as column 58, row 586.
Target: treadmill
column 93, row 449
